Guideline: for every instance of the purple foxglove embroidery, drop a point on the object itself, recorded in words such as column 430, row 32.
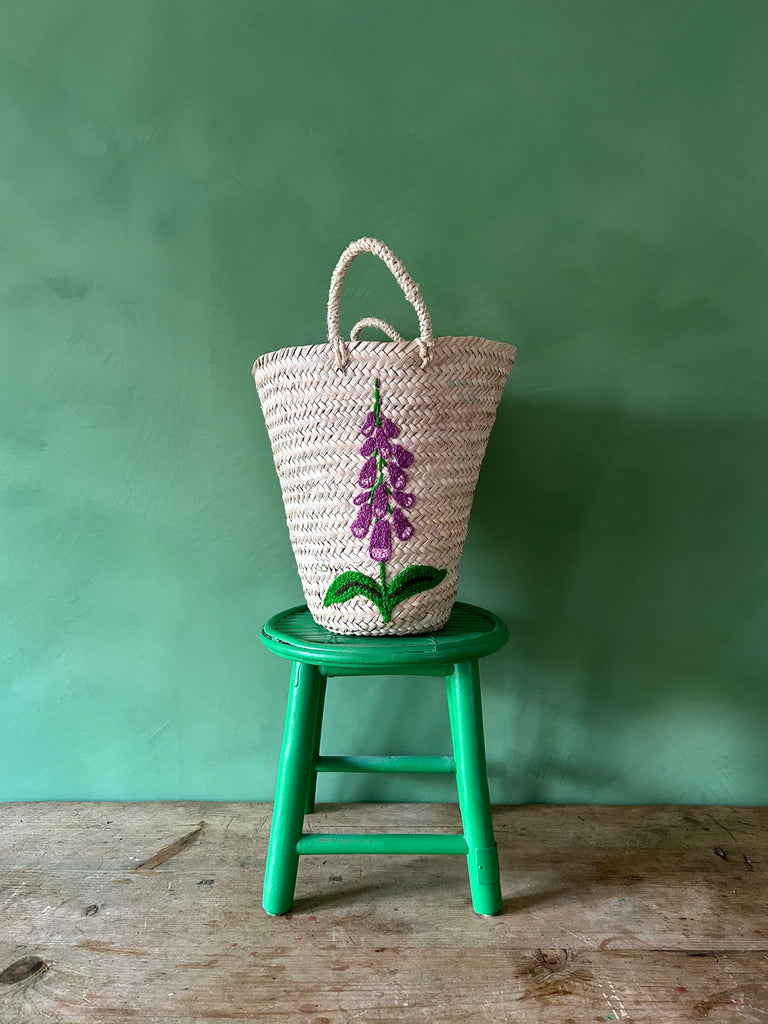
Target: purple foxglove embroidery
column 369, row 425
column 379, row 502
column 397, row 477
column 368, row 473
column 403, row 529
column 382, row 444
column 402, row 457
column 402, row 498
column 381, row 542
column 383, row 477
column 363, row 521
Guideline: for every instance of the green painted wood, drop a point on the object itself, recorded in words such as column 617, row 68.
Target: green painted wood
column 293, row 776
column 585, row 180
column 470, row 632
column 428, row 765
column 435, row 670
column 466, row 713
column 309, row 804
column 320, row 843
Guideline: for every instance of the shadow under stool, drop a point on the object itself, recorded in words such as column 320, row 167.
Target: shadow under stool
column 316, row 654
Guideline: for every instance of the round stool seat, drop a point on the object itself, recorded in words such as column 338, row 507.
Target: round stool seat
column 469, row 634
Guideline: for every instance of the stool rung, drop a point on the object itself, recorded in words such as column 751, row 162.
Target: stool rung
column 418, row 764
column 392, row 843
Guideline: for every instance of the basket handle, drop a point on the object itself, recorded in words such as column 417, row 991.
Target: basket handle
column 407, row 284
column 380, row 325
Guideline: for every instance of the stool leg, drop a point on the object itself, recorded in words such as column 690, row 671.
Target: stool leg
column 309, row 805
column 465, row 709
column 291, row 792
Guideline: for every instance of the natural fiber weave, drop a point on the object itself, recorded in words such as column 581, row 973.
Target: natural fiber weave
column 445, row 410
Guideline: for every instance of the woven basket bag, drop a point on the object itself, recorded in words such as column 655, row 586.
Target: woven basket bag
column 378, row 446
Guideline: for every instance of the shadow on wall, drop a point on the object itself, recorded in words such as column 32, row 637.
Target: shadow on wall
column 625, row 553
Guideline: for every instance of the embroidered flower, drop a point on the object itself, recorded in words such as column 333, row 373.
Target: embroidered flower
column 402, row 527
column 397, row 477
column 382, row 444
column 380, row 548
column 383, row 480
column 402, row 457
column 380, row 502
column 401, row 497
column 363, row 521
column 368, row 473
column 369, row 426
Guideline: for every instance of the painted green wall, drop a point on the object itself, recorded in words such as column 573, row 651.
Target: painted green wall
column 586, row 179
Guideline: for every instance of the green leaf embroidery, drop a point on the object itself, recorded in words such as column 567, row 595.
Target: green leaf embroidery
column 351, row 584
column 413, row 580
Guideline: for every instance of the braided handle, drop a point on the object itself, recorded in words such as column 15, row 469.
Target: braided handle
column 380, row 325
column 409, row 288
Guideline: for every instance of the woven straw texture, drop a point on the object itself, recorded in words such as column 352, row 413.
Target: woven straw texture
column 444, row 402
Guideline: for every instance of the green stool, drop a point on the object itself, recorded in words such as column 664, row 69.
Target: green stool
column 470, row 633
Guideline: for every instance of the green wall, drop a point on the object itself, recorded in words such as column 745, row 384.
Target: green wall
column 585, row 178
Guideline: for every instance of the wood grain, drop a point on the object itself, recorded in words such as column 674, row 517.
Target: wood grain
column 631, row 914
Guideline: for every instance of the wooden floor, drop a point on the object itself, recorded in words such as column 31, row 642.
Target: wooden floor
column 151, row 912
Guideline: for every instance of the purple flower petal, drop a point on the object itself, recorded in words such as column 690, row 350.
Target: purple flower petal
column 403, row 457
column 385, row 449
column 368, row 447
column 403, row 529
column 367, row 473
column 380, row 548
column 363, row 521
column 403, row 498
column 379, row 504
column 365, row 496
column 390, row 429
column 397, row 478
column 369, row 426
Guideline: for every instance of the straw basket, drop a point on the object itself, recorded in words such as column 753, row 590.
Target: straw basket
column 378, row 447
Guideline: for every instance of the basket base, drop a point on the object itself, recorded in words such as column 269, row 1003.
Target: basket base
column 367, row 622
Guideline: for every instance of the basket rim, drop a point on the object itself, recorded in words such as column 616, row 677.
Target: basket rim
column 398, row 348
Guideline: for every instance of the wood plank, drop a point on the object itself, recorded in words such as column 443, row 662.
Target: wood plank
column 380, row 984
column 611, row 913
